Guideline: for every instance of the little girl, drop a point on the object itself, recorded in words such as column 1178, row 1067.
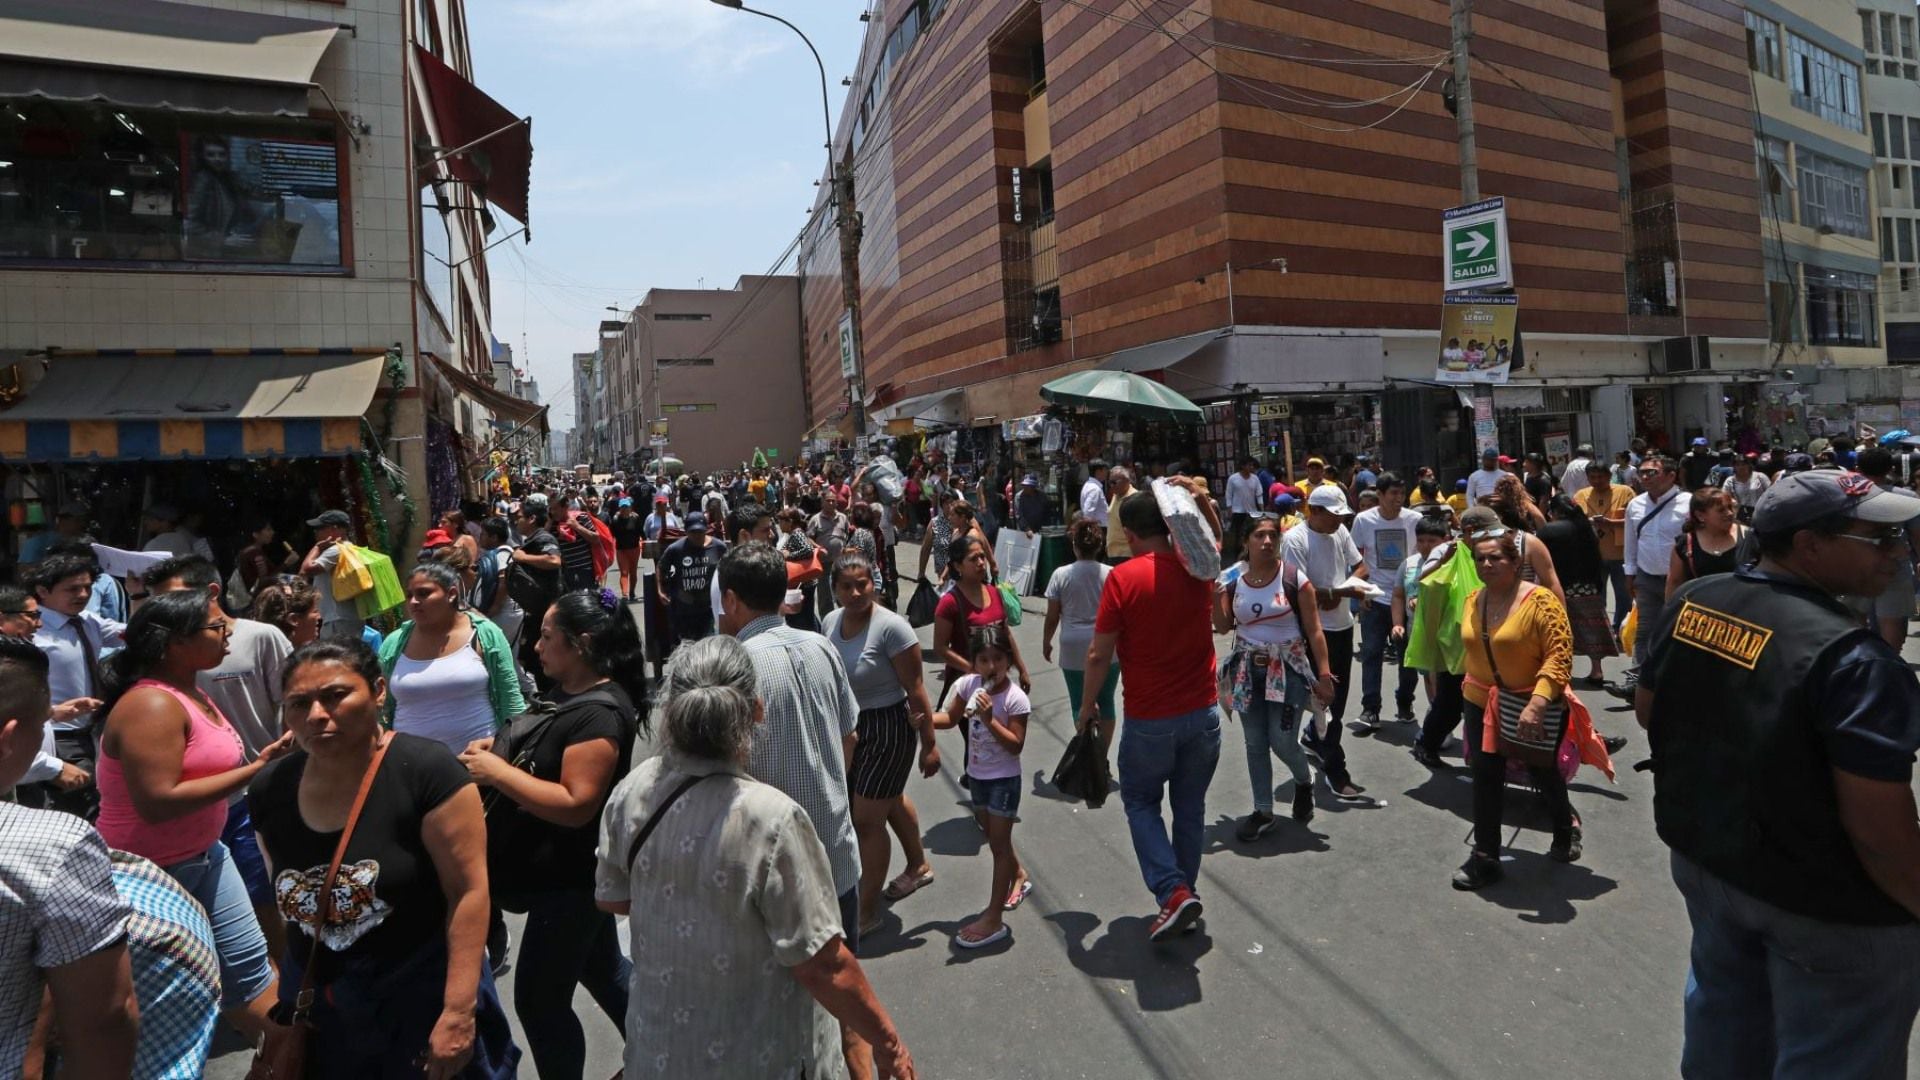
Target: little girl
column 994, row 711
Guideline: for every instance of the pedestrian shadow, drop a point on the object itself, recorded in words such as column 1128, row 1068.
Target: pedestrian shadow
column 1043, row 788
column 1394, row 733
column 1542, row 891
column 892, row 936
column 957, row 836
column 1288, row 837
column 1449, row 789
column 1614, row 794
column 1165, row 975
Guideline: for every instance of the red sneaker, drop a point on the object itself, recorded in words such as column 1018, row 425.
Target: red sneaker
column 1177, row 915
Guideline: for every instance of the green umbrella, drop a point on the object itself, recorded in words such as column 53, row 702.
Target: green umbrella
column 1121, row 393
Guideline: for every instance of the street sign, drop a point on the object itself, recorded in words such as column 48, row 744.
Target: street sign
column 1474, row 245
column 849, row 363
column 1479, row 338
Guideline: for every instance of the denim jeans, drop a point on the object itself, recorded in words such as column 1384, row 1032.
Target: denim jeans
column 1649, row 599
column 567, row 942
column 1775, row 994
column 1333, row 759
column 1376, row 629
column 1622, row 603
column 1175, row 755
column 1270, row 728
column 214, row 880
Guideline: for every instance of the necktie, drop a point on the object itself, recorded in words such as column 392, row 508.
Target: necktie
column 89, row 654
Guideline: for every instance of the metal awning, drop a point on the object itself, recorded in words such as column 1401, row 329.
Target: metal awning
column 152, row 54
column 942, row 408
column 1161, row 354
column 516, row 410
column 202, row 405
column 481, row 143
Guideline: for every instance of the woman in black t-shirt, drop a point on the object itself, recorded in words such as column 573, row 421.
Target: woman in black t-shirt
column 400, row 973
column 548, row 776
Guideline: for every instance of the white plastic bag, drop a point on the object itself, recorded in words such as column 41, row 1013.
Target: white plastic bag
column 886, row 478
column 1187, row 527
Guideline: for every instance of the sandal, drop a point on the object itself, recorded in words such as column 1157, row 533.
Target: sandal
column 961, row 940
column 1017, row 894
column 907, row 884
column 871, row 927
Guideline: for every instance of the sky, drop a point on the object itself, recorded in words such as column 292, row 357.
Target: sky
column 675, row 145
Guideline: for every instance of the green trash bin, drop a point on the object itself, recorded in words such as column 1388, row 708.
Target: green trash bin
column 1054, row 553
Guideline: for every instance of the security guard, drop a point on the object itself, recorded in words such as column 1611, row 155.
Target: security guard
column 1783, row 736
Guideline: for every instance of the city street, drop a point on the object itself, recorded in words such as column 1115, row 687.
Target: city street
column 1337, row 948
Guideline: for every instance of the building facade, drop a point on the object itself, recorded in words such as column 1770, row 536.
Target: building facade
column 1893, row 101
column 710, row 376
column 1242, row 198
column 210, row 215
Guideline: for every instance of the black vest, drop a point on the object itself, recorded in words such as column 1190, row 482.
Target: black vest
column 1742, row 784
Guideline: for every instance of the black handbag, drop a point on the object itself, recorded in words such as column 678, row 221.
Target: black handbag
column 507, row 822
column 1543, row 752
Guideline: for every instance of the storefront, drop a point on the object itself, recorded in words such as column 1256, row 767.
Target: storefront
column 1540, row 420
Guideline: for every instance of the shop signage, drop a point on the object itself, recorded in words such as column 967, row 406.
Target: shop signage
column 1474, row 243
column 849, row 362
column 1479, row 338
column 772, row 452
column 658, row 442
column 1273, row 410
column 1016, row 194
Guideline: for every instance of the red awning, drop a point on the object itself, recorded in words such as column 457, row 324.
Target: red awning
column 492, row 149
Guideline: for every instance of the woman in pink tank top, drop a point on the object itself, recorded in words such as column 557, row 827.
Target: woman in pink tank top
column 169, row 763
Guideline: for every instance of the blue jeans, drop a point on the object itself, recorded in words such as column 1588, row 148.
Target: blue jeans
column 568, row 943
column 244, row 848
column 1175, row 755
column 1376, row 629
column 213, row 880
column 1622, row 603
column 1270, row 728
column 1774, row 994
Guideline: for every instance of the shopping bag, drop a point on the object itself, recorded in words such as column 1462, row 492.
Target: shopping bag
column 1010, row 599
column 350, row 574
column 386, row 593
column 1082, row 772
column 921, row 605
column 1187, row 527
column 1629, row 629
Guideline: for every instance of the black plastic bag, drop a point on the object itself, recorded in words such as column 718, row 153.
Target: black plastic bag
column 1082, row 772
column 925, row 599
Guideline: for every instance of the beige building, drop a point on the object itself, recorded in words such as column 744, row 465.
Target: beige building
column 710, row 375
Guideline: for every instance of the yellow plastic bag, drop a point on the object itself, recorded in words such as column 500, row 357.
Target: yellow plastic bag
column 351, row 577
column 1627, row 630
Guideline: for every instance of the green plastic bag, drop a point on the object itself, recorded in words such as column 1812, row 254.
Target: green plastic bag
column 386, row 593
column 1434, row 643
column 1010, row 599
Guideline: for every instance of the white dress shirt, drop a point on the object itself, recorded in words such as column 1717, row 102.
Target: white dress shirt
column 1652, row 527
column 1093, row 500
column 59, row 637
column 1480, row 484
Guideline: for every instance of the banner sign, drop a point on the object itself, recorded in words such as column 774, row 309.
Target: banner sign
column 1479, row 338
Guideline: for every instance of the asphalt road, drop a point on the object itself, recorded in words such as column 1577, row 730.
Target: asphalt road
column 1336, row 948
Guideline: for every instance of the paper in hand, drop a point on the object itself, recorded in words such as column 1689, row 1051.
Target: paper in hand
column 1362, row 586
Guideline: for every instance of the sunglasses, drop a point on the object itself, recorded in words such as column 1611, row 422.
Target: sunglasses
column 1885, row 540
column 21, row 612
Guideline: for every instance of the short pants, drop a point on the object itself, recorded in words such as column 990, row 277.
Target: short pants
column 999, row 797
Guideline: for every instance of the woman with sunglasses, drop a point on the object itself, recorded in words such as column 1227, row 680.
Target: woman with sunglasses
column 168, row 764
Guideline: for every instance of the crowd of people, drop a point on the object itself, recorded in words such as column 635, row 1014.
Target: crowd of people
column 236, row 800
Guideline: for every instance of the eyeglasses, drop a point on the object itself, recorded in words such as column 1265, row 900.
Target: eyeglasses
column 223, row 627
column 1885, row 540
column 22, row 613
column 1652, row 472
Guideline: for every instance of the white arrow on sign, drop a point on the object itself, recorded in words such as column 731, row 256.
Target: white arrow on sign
column 1473, row 245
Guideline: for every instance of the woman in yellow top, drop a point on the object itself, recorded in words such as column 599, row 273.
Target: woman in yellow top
column 1517, row 638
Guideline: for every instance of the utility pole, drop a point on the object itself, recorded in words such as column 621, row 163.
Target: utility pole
column 1462, row 24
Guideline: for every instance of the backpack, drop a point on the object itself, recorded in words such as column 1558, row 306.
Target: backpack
column 1289, row 584
column 534, row 590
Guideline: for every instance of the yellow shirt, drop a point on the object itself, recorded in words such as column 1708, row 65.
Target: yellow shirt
column 1534, row 648
column 1612, row 504
column 1418, row 498
column 1459, row 504
column 757, row 490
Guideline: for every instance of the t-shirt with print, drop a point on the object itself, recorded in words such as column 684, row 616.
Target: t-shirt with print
column 868, row 655
column 687, row 569
column 987, row 757
column 393, row 900
column 1076, row 588
column 1164, row 618
column 955, row 610
column 1385, row 544
column 528, row 854
column 57, row 906
column 1327, row 559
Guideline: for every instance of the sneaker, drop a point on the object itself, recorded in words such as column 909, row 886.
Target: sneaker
column 1254, row 826
column 1368, row 723
column 1303, row 803
column 1477, row 872
column 1403, row 714
column 1427, row 757
column 1614, row 743
column 1177, row 915
column 1566, row 850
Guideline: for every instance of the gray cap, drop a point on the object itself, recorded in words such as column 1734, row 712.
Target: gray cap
column 1801, row 499
column 336, row 519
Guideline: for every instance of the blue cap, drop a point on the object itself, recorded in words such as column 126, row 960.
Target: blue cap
column 1459, row 485
column 1284, row 501
column 696, row 522
column 623, row 502
column 1700, row 440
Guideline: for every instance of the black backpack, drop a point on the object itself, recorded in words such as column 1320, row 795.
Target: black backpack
column 533, row 589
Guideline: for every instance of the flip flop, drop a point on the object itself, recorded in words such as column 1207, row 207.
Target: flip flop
column 960, row 940
column 907, row 884
column 871, row 928
column 1018, row 894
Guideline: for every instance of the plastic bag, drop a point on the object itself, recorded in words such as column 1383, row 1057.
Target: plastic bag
column 1010, row 599
column 1187, row 527
column 1082, row 772
column 350, row 574
column 1630, row 629
column 386, row 593
column 920, row 606
column 886, row 478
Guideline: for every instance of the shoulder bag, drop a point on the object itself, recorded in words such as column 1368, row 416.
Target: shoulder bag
column 633, row 849
column 1542, row 752
column 283, row 1053
column 508, row 844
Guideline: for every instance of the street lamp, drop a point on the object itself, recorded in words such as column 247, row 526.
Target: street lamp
column 826, row 110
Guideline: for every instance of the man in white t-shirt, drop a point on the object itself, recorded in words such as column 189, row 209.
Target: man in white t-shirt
column 1324, row 551
column 1243, row 499
column 1573, row 479
column 1384, row 535
column 1481, row 482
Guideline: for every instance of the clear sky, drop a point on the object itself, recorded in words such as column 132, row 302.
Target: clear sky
column 675, row 145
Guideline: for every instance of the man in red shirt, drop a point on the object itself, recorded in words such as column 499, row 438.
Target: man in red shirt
column 1157, row 617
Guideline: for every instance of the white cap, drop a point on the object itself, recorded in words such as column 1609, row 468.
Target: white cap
column 1330, row 498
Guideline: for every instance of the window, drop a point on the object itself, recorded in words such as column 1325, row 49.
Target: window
column 1886, row 239
column 682, row 316
column 1906, row 37
column 1833, row 195
column 161, row 189
column 1824, row 84
column 1873, row 66
column 1866, row 29
column 1886, row 35
column 1763, row 45
column 1879, row 122
column 1896, row 137
column 1905, row 229
column 1841, row 307
column 1906, row 279
column 684, row 361
column 1783, row 305
column 1913, row 133
column 1775, row 179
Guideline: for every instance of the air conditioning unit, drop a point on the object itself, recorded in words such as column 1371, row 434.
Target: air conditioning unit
column 1674, row 356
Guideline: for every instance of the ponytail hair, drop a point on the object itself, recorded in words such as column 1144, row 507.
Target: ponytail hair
column 164, row 619
column 599, row 626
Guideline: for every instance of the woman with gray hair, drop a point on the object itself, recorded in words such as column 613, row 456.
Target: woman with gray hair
column 735, row 883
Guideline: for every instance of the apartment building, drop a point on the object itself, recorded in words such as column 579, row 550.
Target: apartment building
column 1892, row 82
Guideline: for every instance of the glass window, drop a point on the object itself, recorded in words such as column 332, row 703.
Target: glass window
column 1866, row 30
column 1783, row 304
column 1896, row 138
column 1886, row 34
column 1841, row 308
column 1912, row 72
column 1774, row 177
column 1833, row 195
column 1879, row 121
column 1873, row 66
column 1824, row 84
column 1763, row 45
column 1913, row 133
column 1906, row 240
column 1906, row 37
column 1886, row 239
column 163, row 189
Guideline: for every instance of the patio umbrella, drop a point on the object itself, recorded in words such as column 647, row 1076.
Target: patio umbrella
column 1120, row 393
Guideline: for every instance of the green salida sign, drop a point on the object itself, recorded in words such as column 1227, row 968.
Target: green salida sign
column 1474, row 247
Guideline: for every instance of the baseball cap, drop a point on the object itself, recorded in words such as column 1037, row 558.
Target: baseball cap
column 624, row 501
column 1797, row 463
column 1459, row 485
column 659, row 500
column 336, row 519
column 1804, row 498
column 696, row 522
column 1478, row 518
column 1029, row 480
column 436, row 538
column 1317, row 461
column 1699, row 440
column 1330, row 498
column 1489, row 452
column 1284, row 502
column 1505, row 460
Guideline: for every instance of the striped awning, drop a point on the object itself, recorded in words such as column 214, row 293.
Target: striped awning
column 193, row 405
